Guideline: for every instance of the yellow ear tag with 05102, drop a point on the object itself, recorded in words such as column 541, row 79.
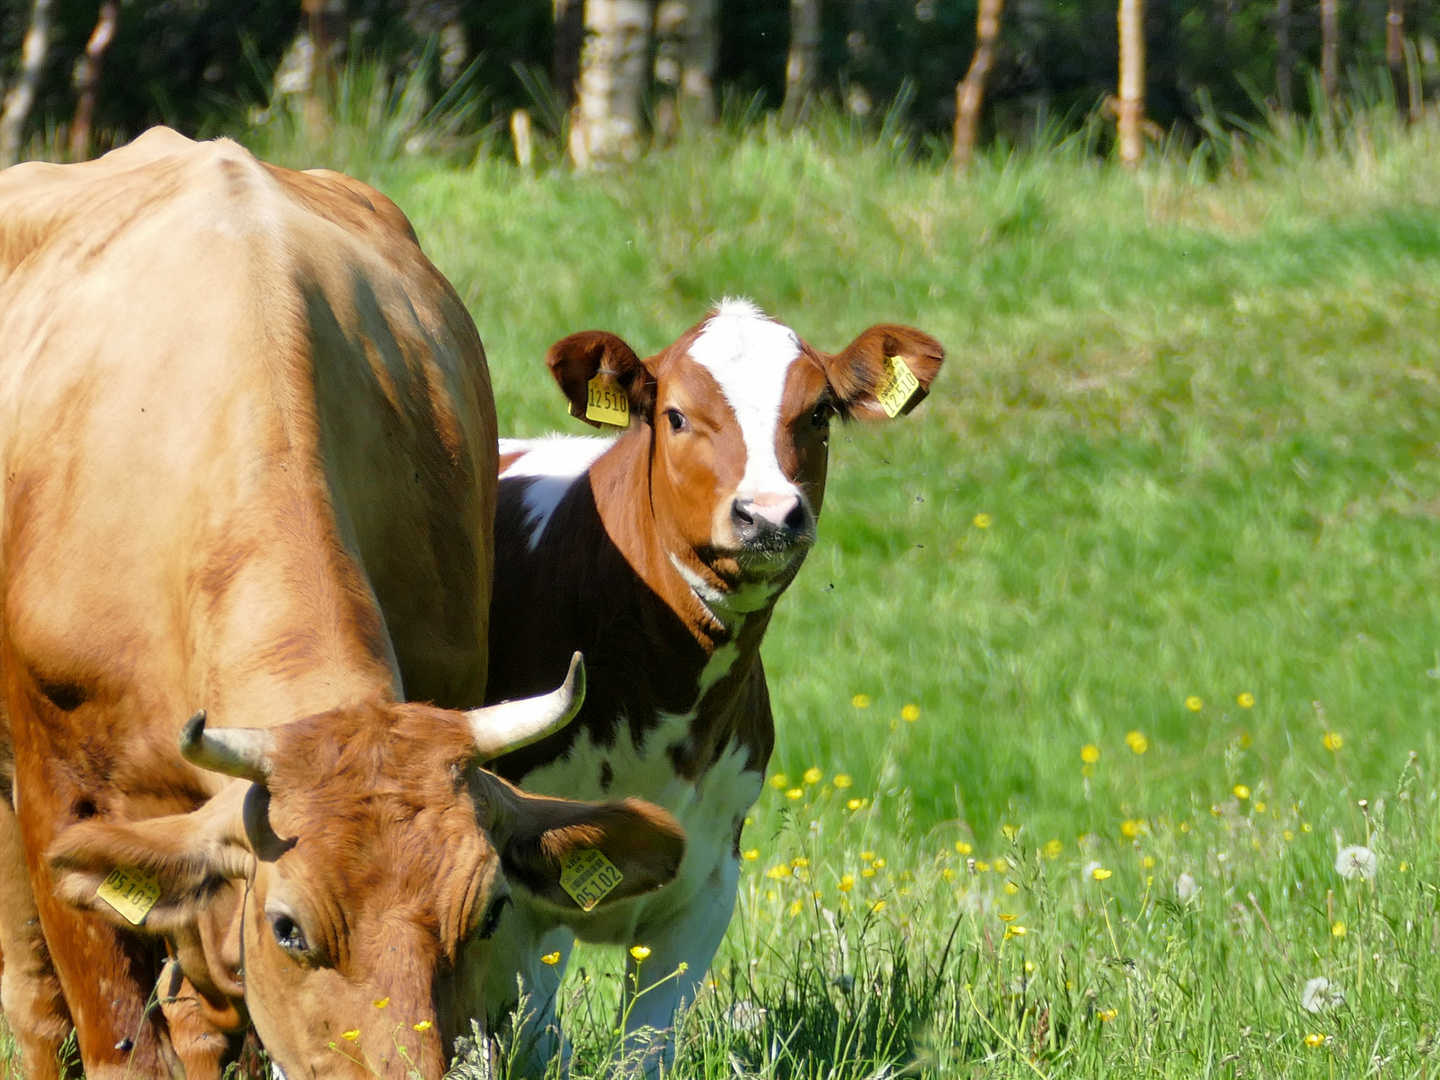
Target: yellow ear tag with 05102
column 897, row 387
column 131, row 892
column 588, row 876
column 606, row 403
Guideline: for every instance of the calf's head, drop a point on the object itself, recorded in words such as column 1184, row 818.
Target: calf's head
column 369, row 847
column 739, row 411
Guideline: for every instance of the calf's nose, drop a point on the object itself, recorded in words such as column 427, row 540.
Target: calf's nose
column 769, row 514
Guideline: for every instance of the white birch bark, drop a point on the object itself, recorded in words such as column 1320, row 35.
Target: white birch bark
column 1130, row 107
column 970, row 93
column 1330, row 47
column 22, row 95
column 687, row 34
column 804, row 58
column 605, row 127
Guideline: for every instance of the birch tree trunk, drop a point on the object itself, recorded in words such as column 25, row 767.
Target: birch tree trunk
column 605, row 127
column 1330, row 47
column 1130, row 108
column 970, row 93
column 22, row 95
column 569, row 36
column 440, row 20
column 804, row 59
column 1284, row 62
column 687, row 34
column 87, row 78
column 1395, row 55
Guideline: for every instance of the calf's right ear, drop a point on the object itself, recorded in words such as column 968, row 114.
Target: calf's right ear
column 187, row 856
column 577, row 359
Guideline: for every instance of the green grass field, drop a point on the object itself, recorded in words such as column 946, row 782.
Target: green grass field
column 1175, row 499
column 1156, row 565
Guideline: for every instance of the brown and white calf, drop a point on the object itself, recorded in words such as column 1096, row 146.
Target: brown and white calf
column 661, row 554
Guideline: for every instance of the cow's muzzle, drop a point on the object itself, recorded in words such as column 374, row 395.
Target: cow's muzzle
column 772, row 523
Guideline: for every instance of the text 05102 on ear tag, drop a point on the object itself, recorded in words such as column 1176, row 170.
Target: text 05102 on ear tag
column 588, row 876
column 606, row 403
column 897, row 387
column 131, row 892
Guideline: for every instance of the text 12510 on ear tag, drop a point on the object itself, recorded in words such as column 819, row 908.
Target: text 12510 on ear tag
column 131, row 892
column 897, row 388
column 606, row 403
column 588, row 876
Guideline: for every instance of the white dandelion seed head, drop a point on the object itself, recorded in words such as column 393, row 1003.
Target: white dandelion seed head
column 1186, row 887
column 1356, row 861
column 1321, row 994
column 1086, row 871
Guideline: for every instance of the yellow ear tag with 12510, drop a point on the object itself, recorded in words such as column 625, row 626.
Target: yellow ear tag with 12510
column 131, row 892
column 897, row 388
column 606, row 403
column 588, row 876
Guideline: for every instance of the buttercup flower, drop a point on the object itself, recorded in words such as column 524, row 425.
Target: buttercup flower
column 1356, row 861
column 1090, row 753
column 795, row 793
column 861, row 701
column 423, row 1025
column 847, row 882
column 910, row 713
column 1053, row 849
column 1137, row 742
column 1337, row 928
column 1241, row 792
column 778, row 872
column 639, row 952
column 963, row 848
column 855, row 804
column 352, row 1034
column 981, row 521
column 751, row 855
column 842, row 781
column 1315, row 1040
column 1106, row 1015
column 380, row 1003
column 1099, row 873
column 551, row 958
column 1245, row 700
column 779, row 781
column 1194, row 704
column 1333, row 740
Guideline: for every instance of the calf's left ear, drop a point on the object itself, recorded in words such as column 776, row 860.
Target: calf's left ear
column 885, row 372
column 549, row 846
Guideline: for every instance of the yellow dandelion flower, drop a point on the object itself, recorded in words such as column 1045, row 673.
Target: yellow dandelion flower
column 1241, row 792
column 878, row 906
column 639, row 952
column 861, row 701
column 1333, row 740
column 1106, row 1015
column 1130, row 828
column 1090, row 753
column 796, row 907
column 1011, row 888
column 1194, row 704
column 778, row 872
column 813, row 775
column 847, row 882
column 751, row 855
column 1315, row 1039
column 855, row 804
column 1100, row 873
column 800, row 861
column 380, row 1003
column 981, row 521
column 1337, row 928
column 867, row 872
column 1053, row 849
column 1404, row 866
column 867, row 856
column 551, row 958
column 1287, row 835
column 352, row 1034
column 1137, row 742
column 1245, row 700
column 963, row 848
column 842, row 781
column 795, row 793
column 982, row 867
column 910, row 713
column 779, row 781
column 423, row 1025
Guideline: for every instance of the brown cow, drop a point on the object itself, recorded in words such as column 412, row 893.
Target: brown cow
column 248, row 459
column 661, row 554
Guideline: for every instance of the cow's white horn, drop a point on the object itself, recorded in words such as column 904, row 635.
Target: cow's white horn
column 512, row 724
column 242, row 752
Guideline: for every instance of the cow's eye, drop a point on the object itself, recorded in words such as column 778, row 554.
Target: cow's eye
column 491, row 920
column 288, row 934
column 677, row 419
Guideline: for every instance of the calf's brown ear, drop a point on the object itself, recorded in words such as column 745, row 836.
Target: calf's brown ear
column 885, row 372
column 186, row 857
column 549, row 847
column 575, row 360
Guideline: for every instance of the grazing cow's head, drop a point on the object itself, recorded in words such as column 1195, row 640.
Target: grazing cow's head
column 740, row 409
column 370, row 847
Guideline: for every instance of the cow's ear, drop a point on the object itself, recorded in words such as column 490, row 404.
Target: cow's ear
column 579, row 358
column 188, row 857
column 867, row 381
column 546, row 844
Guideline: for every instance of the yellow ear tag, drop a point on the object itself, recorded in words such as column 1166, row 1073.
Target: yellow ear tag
column 131, row 892
column 897, row 388
column 588, row 876
column 606, row 403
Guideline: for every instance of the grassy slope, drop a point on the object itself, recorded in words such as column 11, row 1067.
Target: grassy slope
column 1202, row 419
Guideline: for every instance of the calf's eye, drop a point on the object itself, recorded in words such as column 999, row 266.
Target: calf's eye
column 677, row 419
column 288, row 934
